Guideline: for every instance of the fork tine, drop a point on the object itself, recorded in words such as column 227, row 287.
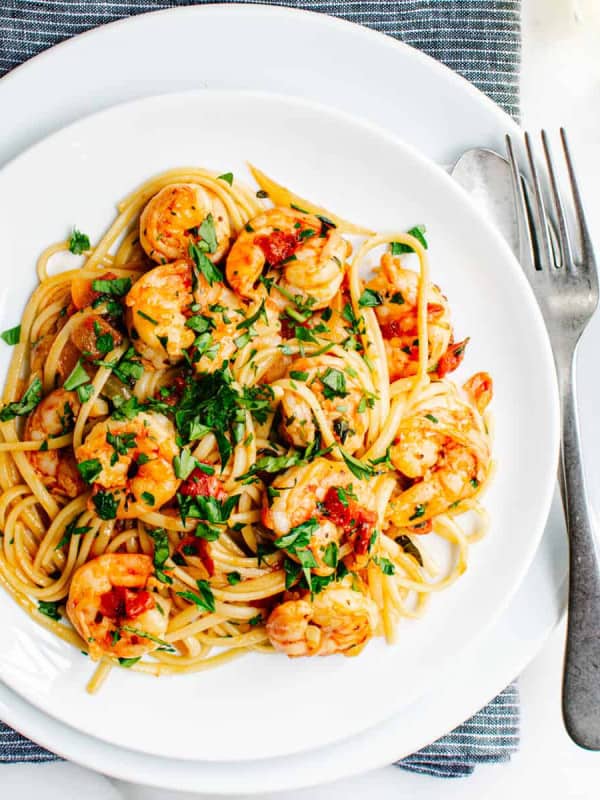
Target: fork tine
column 543, row 235
column 526, row 244
column 587, row 248
column 563, row 230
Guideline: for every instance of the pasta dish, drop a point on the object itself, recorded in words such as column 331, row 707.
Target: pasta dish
column 233, row 427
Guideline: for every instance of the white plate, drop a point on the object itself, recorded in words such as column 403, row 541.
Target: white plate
column 384, row 77
column 367, row 175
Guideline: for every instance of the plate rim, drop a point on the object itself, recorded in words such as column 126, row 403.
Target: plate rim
column 538, row 330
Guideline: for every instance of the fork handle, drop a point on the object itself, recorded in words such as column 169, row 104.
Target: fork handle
column 581, row 683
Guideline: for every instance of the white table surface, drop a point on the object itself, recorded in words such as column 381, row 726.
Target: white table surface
column 560, row 86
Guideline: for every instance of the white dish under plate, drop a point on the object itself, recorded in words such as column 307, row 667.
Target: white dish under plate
column 363, row 174
column 361, row 72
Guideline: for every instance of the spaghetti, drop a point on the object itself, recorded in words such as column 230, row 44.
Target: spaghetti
column 218, row 438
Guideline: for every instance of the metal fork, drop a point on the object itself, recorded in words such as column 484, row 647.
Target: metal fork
column 565, row 284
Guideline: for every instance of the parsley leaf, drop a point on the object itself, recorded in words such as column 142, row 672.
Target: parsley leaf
column 227, row 177
column 299, row 536
column 128, row 662
column 77, row 377
column 27, row 403
column 184, row 464
column 334, row 383
column 106, row 505
column 330, row 556
column 12, row 335
column 418, row 232
column 205, row 598
column 370, row 299
column 90, row 469
column 161, row 553
column 208, row 234
column 73, row 530
column 209, row 270
column 357, row 468
column 79, row 242
column 49, row 609
column 116, row 287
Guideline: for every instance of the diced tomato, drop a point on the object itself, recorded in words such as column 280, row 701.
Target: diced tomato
column 407, row 324
column 277, row 246
column 451, row 358
column 199, row 484
column 351, row 518
column 121, row 603
column 81, row 290
column 194, row 545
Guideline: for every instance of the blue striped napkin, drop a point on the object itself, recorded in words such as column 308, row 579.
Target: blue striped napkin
column 480, row 39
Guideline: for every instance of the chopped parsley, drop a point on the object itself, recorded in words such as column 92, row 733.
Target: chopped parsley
column 90, row 469
column 128, row 662
column 11, row 335
column 205, row 266
column 334, row 383
column 49, row 609
column 419, row 511
column 147, row 317
column 370, row 299
column 385, row 565
column 358, row 468
column 330, row 556
column 161, row 553
column 77, row 377
column 184, row 464
column 203, row 598
column 227, row 177
column 79, row 242
column 106, row 505
column 233, row 578
column 148, row 498
column 418, row 232
column 115, row 287
column 27, row 403
column 71, row 530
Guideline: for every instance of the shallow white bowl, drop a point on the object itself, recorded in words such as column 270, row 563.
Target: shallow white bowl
column 262, row 707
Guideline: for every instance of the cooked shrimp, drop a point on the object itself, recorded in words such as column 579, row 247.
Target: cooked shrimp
column 337, row 620
column 157, row 310
column 112, row 609
column 397, row 316
column 445, row 451
column 333, row 504
column 55, row 416
column 340, row 396
column 134, row 461
column 170, row 221
column 306, row 255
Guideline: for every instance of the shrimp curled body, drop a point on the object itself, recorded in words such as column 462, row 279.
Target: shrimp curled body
column 55, row 416
column 169, row 222
column 306, row 257
column 337, row 620
column 135, row 459
column 111, row 608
